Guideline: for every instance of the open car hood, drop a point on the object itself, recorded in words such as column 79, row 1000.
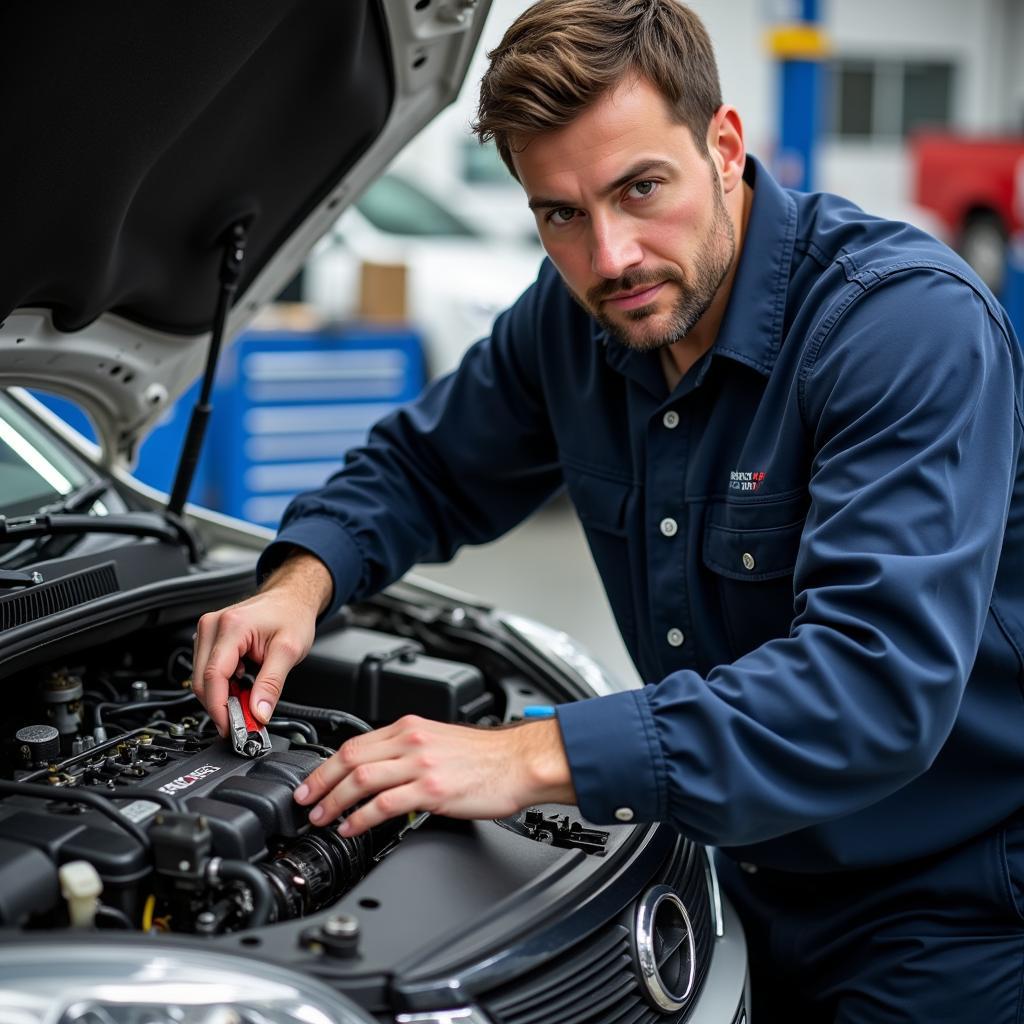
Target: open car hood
column 137, row 136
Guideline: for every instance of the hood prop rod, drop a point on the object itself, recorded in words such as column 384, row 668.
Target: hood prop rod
column 230, row 271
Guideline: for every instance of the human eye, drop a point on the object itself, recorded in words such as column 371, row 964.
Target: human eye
column 642, row 189
column 561, row 215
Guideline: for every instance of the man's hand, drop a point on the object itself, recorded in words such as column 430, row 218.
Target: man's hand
column 274, row 628
column 456, row 770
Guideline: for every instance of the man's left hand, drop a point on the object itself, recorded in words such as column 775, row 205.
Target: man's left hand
column 459, row 771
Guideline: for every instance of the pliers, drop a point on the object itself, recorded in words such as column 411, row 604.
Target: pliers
column 248, row 737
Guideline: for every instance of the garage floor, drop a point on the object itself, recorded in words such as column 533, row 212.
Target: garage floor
column 543, row 569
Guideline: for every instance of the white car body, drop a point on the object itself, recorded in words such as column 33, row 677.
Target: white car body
column 457, row 282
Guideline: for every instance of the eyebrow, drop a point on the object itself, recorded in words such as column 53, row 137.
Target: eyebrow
column 636, row 171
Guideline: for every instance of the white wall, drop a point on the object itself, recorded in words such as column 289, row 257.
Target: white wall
column 984, row 38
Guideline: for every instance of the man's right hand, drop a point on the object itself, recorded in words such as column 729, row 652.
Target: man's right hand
column 274, row 628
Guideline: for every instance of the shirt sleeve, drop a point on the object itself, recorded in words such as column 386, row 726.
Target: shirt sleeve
column 464, row 463
column 909, row 393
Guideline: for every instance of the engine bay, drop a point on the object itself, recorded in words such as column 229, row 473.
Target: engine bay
column 122, row 808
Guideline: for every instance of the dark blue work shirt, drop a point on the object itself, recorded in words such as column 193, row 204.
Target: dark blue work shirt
column 813, row 546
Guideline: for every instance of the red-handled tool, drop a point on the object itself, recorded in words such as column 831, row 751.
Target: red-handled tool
column 248, row 737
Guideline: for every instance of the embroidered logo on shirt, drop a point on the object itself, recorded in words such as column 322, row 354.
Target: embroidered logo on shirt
column 745, row 481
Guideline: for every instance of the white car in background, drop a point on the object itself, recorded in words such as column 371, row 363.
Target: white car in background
column 461, row 270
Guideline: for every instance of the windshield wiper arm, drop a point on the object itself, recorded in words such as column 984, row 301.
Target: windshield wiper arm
column 12, row 578
column 135, row 524
column 77, row 500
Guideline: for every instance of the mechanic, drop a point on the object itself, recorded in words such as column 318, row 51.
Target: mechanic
column 792, row 432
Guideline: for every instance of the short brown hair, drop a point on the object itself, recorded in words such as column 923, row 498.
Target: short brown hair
column 559, row 56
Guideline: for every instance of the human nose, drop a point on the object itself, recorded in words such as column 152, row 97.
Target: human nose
column 614, row 247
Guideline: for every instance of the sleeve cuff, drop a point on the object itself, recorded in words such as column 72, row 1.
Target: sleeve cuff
column 614, row 757
column 328, row 541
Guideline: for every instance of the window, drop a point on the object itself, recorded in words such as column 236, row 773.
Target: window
column 34, row 470
column 399, row 208
column 481, row 164
column 889, row 99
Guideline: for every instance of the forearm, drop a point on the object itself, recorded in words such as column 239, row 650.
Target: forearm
column 538, row 748
column 304, row 578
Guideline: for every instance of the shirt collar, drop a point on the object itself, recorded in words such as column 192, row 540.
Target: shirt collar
column 751, row 329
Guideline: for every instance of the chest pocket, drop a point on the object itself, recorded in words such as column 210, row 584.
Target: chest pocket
column 750, row 552
column 603, row 507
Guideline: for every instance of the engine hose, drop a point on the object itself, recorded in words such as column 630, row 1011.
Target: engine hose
column 294, row 725
column 118, row 917
column 330, row 715
column 262, row 895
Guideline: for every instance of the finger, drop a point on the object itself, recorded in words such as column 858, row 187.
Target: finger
column 279, row 660
column 219, row 668
column 389, row 804
column 202, row 646
column 360, row 783
column 202, row 642
column 369, row 747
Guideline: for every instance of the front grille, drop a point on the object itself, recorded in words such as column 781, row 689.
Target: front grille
column 49, row 598
column 595, row 981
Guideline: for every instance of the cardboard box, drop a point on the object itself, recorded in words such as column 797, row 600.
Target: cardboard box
column 382, row 292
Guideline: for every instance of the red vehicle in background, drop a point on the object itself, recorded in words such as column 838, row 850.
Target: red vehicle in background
column 975, row 186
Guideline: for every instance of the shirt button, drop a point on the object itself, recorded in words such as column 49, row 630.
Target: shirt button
column 671, row 419
column 624, row 813
column 748, row 561
column 675, row 637
column 669, row 527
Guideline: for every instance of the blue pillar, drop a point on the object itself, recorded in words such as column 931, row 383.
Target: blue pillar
column 799, row 44
column 1013, row 285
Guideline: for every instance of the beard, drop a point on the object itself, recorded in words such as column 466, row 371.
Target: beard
column 696, row 289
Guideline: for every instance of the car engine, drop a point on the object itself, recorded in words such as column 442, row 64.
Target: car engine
column 120, row 806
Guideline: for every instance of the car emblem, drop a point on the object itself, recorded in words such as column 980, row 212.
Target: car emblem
column 665, row 948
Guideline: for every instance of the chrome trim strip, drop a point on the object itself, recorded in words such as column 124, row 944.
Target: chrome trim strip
column 460, row 1015
column 716, row 893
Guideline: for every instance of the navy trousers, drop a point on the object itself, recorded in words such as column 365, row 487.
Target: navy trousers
column 934, row 941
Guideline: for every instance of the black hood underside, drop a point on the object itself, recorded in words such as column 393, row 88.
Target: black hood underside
column 133, row 135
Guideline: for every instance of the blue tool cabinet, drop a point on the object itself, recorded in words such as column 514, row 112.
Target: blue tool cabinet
column 289, row 405
column 286, row 407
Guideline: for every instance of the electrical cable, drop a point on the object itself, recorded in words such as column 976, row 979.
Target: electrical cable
column 146, row 705
column 147, row 912
column 332, row 715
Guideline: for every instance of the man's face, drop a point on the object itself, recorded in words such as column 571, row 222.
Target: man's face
column 631, row 213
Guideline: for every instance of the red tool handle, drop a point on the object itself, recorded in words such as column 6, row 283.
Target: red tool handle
column 239, row 689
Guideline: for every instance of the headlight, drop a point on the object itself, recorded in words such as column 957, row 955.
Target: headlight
column 561, row 647
column 117, row 983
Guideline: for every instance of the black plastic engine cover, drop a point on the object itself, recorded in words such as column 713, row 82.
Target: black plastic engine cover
column 381, row 677
column 245, row 803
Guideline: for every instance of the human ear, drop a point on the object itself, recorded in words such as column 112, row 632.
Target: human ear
column 726, row 146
